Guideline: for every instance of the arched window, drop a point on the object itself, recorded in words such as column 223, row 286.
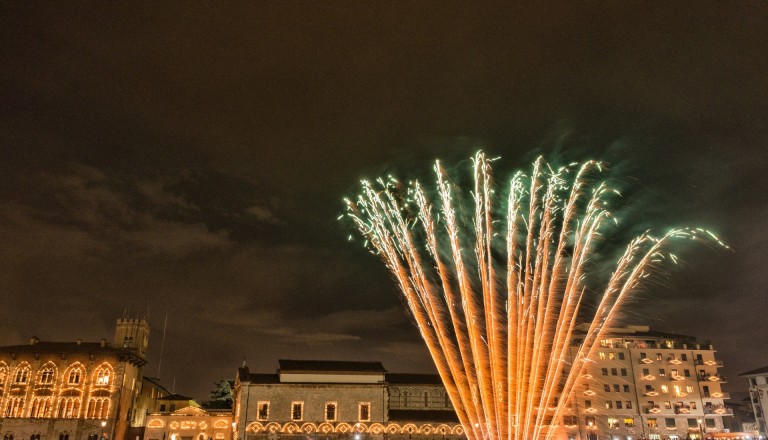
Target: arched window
column 14, row 407
column 73, row 375
column 103, row 375
column 22, row 374
column 64, row 436
column 98, row 408
column 69, row 408
column 3, row 373
column 41, row 407
column 8, row 436
column 47, row 374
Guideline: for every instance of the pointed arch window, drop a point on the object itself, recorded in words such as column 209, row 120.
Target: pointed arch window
column 14, row 407
column 98, row 408
column 22, row 374
column 102, row 376
column 69, row 408
column 41, row 407
column 47, row 374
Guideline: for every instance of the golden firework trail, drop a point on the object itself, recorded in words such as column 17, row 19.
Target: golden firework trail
column 497, row 284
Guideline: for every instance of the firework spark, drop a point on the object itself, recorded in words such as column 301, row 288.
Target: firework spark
column 497, row 284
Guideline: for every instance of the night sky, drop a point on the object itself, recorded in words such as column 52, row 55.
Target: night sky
column 190, row 160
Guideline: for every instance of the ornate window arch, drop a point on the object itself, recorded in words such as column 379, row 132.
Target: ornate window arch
column 69, row 407
column 74, row 375
column 14, row 407
column 103, row 375
column 41, row 407
column 98, row 408
column 47, row 374
column 21, row 374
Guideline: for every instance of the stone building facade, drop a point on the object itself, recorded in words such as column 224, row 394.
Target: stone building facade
column 333, row 400
column 74, row 390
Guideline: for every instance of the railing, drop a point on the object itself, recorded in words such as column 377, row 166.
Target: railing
column 711, row 378
column 708, row 363
column 717, row 409
column 651, row 409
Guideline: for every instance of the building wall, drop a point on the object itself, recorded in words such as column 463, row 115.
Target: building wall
column 758, row 396
column 657, row 388
column 69, row 393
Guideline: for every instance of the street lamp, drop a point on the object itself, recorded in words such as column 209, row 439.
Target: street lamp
column 702, row 428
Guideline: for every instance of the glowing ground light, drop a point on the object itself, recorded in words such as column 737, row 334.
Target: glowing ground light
column 496, row 284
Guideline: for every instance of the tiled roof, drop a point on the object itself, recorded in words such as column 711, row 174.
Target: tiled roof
column 762, row 370
column 326, row 366
column 263, row 378
column 423, row 415
column 413, row 378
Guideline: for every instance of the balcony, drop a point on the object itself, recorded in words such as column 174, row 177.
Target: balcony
column 677, row 378
column 717, row 410
column 684, row 409
column 717, row 395
column 651, row 409
column 709, row 363
column 673, row 361
column 711, row 378
column 646, row 361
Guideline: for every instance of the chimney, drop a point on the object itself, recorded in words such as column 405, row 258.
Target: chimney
column 34, row 340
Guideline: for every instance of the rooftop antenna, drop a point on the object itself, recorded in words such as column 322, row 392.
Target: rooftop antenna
column 162, row 345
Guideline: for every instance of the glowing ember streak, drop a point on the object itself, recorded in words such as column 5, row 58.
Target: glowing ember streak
column 496, row 291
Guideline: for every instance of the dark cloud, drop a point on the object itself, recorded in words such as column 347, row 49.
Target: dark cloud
column 191, row 160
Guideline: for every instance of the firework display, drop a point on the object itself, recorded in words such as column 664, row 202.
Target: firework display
column 497, row 279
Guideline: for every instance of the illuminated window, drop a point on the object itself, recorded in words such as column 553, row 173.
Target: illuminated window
column 601, row 355
column 14, row 407
column 364, row 411
column 608, row 404
column 41, row 407
column 330, row 411
column 662, row 372
column 693, row 405
column 46, row 375
column 102, row 376
column 667, row 405
column 664, row 389
column 297, row 411
column 629, row 422
column 22, row 374
column 98, row 408
column 75, row 375
column 262, row 412
column 613, row 422
column 659, row 357
column 652, row 423
column 69, row 408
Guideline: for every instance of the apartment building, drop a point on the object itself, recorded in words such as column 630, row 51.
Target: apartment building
column 648, row 384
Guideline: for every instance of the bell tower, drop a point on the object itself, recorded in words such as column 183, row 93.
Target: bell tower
column 132, row 333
